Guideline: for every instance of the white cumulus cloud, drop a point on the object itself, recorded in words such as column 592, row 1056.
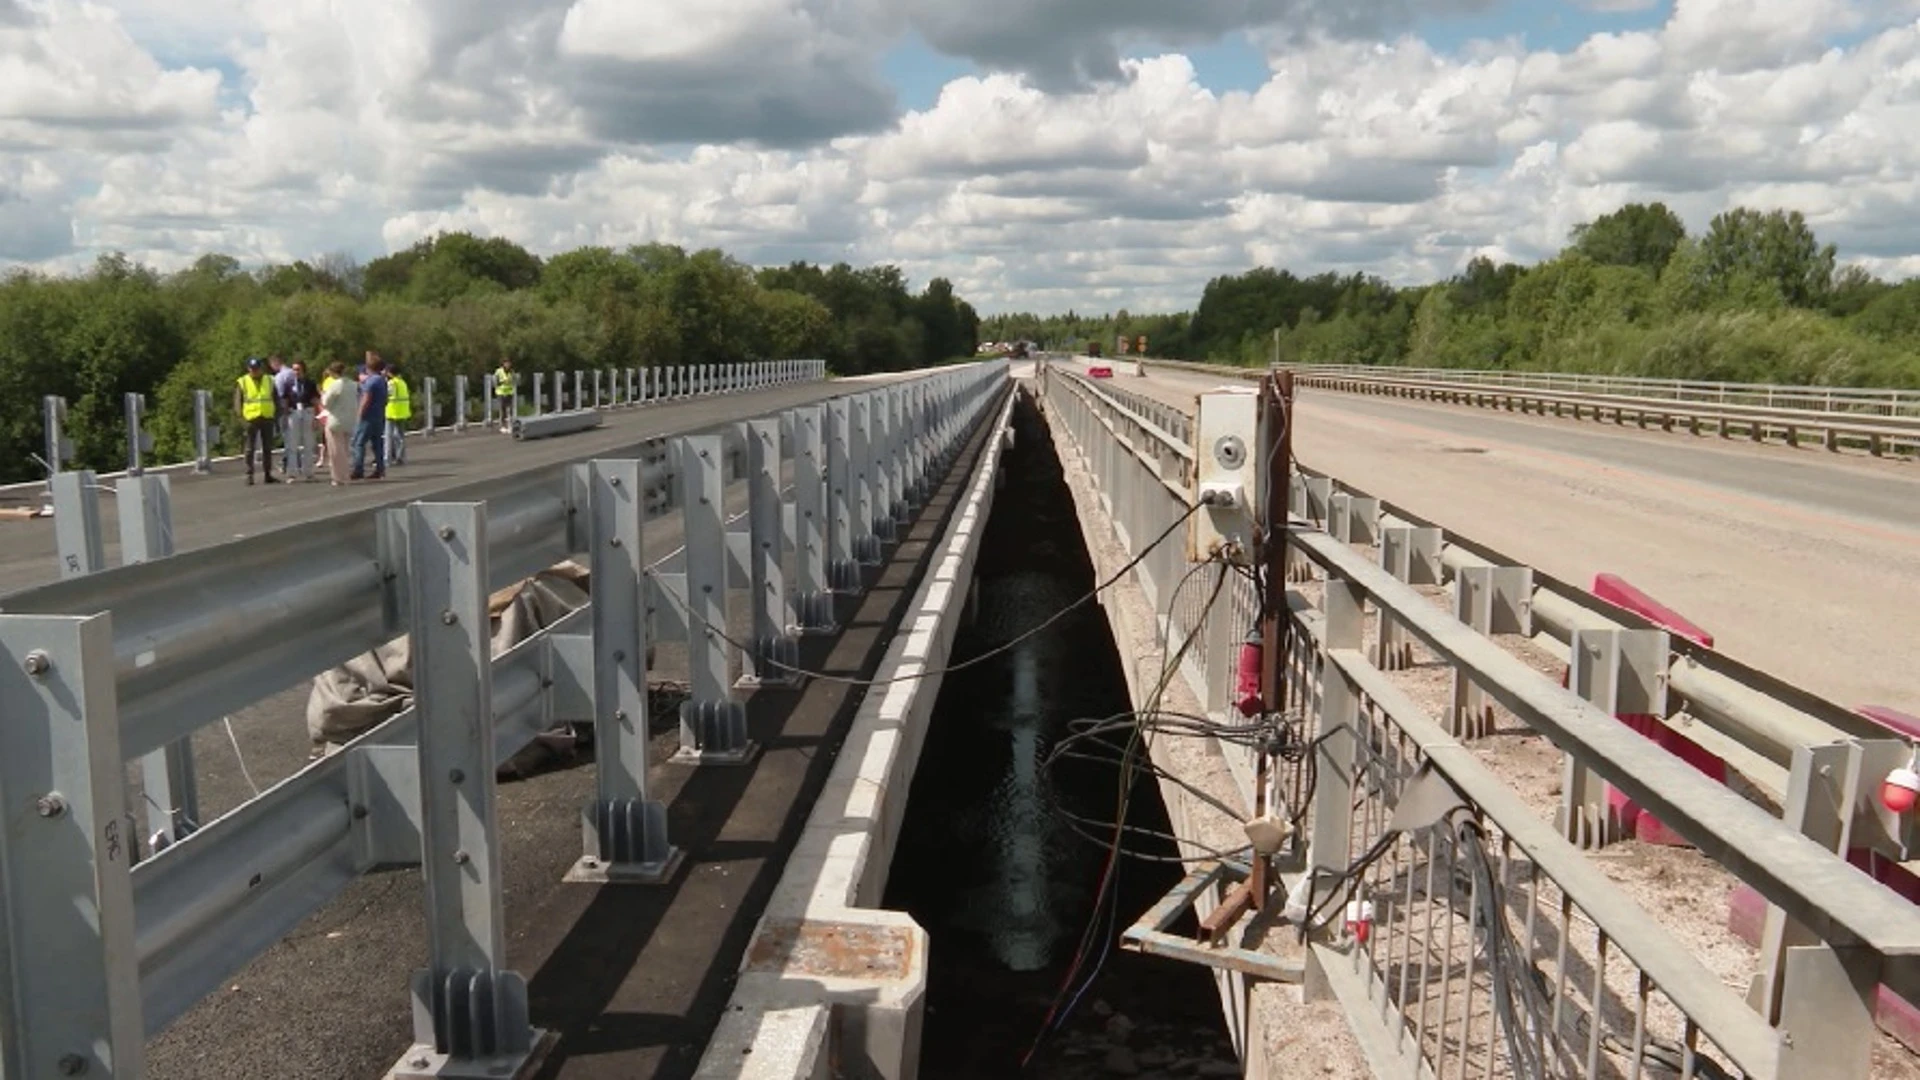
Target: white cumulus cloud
column 1060, row 174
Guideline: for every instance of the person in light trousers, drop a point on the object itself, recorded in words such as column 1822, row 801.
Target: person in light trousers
column 340, row 401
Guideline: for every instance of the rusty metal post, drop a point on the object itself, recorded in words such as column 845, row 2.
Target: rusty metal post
column 1276, row 480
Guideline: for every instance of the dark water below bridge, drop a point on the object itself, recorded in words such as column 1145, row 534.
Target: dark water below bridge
column 989, row 862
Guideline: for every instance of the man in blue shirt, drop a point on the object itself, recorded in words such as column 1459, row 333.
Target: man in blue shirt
column 371, row 426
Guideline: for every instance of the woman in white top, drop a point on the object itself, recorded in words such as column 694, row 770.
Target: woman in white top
column 340, row 405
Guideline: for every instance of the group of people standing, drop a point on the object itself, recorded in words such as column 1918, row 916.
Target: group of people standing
column 348, row 413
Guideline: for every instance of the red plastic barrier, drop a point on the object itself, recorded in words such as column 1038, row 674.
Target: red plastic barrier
column 1747, row 912
column 1617, row 591
column 1898, row 1017
column 1907, row 727
column 1634, row 821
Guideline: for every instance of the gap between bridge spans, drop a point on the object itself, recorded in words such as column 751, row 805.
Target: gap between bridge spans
column 827, row 969
column 1259, row 1013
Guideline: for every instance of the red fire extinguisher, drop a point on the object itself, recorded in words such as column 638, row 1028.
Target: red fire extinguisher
column 1246, row 691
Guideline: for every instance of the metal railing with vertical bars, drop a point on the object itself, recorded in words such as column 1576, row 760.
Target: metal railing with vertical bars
column 1464, row 931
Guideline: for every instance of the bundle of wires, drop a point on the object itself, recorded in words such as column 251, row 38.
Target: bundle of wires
column 1276, row 734
column 1107, row 895
column 1523, row 998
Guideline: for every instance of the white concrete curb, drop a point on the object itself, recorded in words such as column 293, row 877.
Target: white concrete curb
column 822, row 940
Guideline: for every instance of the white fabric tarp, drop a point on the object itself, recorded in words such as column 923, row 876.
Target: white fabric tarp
column 376, row 686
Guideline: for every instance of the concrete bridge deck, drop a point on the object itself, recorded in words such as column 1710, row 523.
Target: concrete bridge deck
column 1760, row 543
column 632, row 980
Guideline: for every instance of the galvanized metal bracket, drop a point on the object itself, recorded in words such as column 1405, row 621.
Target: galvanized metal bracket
column 774, row 660
column 76, row 523
column 813, row 594
column 70, row 971
column 1492, row 600
column 1621, row 672
column 713, row 726
column 625, row 830
column 868, row 544
column 843, row 537
column 470, row 1012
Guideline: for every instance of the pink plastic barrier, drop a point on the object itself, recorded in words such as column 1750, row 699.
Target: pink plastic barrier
column 1907, row 727
column 1634, row 821
column 1898, row 1017
column 1747, row 912
column 1617, row 591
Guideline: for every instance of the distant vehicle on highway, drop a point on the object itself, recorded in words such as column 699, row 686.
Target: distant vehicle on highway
column 1019, row 351
column 1100, row 371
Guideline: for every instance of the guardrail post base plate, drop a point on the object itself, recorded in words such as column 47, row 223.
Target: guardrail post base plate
column 714, row 733
column 632, row 836
column 473, row 1053
column 776, row 662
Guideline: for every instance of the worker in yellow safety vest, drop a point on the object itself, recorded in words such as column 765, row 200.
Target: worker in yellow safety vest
column 503, row 393
column 399, row 412
column 253, row 399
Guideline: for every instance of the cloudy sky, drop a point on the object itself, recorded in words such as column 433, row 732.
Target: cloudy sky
column 1042, row 153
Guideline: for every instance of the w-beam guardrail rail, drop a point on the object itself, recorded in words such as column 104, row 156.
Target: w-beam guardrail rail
column 101, row 952
column 530, row 412
column 1883, row 421
column 1494, row 939
column 1885, row 401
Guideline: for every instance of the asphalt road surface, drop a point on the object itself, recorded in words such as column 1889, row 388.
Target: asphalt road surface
column 1804, row 563
column 633, row 980
column 221, row 508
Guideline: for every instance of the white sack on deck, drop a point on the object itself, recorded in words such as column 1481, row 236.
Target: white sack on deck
column 376, row 686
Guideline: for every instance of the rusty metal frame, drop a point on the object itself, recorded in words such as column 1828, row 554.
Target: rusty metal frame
column 1152, row 932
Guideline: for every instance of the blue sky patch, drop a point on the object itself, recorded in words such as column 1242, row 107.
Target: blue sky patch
column 1233, row 63
column 1559, row 27
column 918, row 72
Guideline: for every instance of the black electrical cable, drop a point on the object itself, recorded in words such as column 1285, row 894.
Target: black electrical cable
column 1107, row 891
column 694, row 617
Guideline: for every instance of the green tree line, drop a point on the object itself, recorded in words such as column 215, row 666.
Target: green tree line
column 1756, row 298
column 450, row 304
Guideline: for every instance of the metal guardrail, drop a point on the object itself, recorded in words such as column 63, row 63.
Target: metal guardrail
column 1754, row 717
column 1886, row 401
column 609, row 389
column 100, row 953
column 1603, row 989
column 1869, row 422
